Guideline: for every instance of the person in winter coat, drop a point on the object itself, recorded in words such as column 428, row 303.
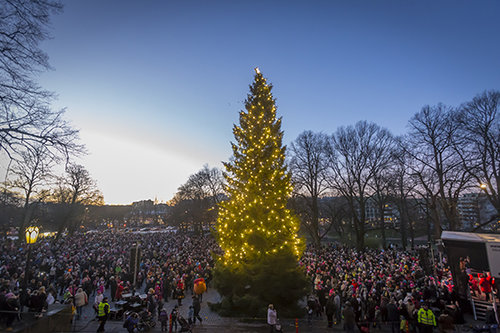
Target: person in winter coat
column 113, row 285
column 163, row 318
column 81, row 299
column 98, row 299
column 101, row 286
column 272, row 316
column 11, row 306
column 37, row 301
column 485, row 284
column 102, row 313
column 173, row 319
column 393, row 316
column 404, row 326
column 445, row 322
column 179, row 291
column 196, row 309
column 349, row 318
column 119, row 291
column 330, row 311
column 426, row 319
column 338, row 308
column 191, row 315
column 50, row 298
column 151, row 302
column 377, row 318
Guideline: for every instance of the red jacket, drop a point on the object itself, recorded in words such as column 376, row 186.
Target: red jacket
column 485, row 285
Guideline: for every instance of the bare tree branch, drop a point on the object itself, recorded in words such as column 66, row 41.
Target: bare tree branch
column 309, row 167
column 26, row 117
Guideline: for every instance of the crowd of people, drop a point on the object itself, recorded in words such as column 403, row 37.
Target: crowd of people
column 364, row 289
column 82, row 268
column 482, row 284
column 372, row 288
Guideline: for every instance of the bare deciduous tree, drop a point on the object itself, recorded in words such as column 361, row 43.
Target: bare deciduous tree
column 196, row 200
column 381, row 164
column 32, row 172
column 479, row 150
column 309, row 167
column 26, row 118
column 335, row 211
column 355, row 159
column 442, row 179
column 74, row 191
column 402, row 191
column 206, row 183
column 9, row 205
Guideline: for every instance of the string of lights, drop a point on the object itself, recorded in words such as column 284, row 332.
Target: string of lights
column 255, row 222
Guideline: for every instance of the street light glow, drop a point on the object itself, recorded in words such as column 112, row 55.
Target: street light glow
column 32, row 234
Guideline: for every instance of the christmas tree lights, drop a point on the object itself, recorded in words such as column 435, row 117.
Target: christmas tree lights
column 255, row 221
column 257, row 233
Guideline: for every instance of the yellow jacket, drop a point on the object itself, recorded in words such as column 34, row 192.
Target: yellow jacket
column 426, row 317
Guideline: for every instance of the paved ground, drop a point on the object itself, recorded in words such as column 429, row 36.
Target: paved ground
column 212, row 322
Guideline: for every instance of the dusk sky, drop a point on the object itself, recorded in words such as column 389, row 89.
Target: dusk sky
column 156, row 86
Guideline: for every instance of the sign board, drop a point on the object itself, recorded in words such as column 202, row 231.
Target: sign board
column 493, row 251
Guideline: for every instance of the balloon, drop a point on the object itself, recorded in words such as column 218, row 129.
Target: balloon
column 199, row 286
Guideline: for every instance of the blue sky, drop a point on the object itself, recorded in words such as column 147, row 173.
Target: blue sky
column 155, row 86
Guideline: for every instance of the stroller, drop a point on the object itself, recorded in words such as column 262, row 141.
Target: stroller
column 185, row 327
column 277, row 327
column 146, row 321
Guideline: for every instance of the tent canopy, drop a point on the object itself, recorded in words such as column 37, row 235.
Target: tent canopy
column 470, row 237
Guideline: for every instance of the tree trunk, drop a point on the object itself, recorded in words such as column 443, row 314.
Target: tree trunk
column 382, row 224
column 434, row 216
column 315, row 222
column 360, row 238
column 384, row 239
column 412, row 235
column 24, row 222
column 360, row 232
column 26, row 216
column 449, row 209
column 403, row 223
column 316, row 240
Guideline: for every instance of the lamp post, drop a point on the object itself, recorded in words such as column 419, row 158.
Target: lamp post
column 31, row 237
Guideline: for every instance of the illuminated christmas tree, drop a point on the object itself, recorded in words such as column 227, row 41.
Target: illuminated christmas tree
column 255, row 230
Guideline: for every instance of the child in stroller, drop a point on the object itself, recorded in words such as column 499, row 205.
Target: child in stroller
column 185, row 327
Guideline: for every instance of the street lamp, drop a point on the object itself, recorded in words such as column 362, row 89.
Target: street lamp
column 483, row 186
column 31, row 237
column 32, row 234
